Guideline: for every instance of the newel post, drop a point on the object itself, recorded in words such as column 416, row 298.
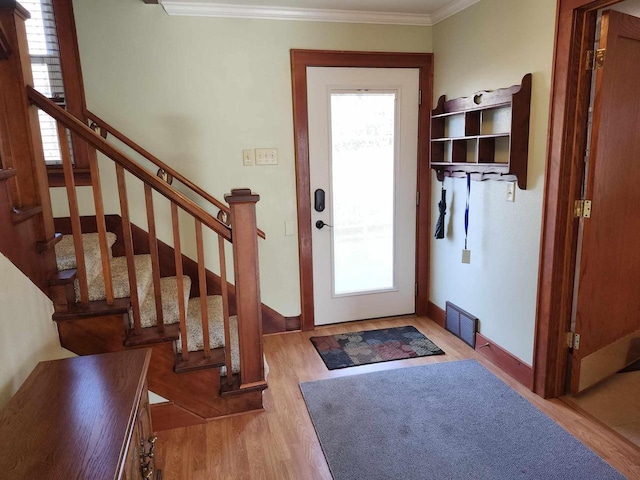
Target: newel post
column 242, row 205
column 21, row 128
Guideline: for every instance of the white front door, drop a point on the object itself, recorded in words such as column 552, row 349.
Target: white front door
column 363, row 150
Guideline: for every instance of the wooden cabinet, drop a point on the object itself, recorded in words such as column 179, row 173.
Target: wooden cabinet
column 85, row 417
column 486, row 134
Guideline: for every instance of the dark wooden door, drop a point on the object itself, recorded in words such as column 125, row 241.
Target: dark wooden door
column 608, row 304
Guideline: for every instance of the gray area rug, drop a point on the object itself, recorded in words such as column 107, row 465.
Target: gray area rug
column 445, row 421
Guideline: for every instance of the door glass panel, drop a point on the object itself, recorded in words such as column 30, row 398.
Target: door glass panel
column 363, row 127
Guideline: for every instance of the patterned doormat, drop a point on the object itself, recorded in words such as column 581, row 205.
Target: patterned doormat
column 373, row 346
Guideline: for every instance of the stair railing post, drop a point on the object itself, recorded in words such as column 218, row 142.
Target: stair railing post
column 242, row 203
column 20, row 128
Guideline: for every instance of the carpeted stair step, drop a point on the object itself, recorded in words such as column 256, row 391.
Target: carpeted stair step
column 66, row 254
column 170, row 311
column 120, row 279
column 195, row 339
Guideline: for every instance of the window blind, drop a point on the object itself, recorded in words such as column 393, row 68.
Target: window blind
column 42, row 39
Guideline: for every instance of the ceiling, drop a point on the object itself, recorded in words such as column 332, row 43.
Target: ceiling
column 400, row 12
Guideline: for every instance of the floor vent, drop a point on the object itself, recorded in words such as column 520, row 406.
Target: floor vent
column 462, row 324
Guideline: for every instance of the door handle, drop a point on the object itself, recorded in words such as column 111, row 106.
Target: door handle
column 318, row 200
column 320, row 224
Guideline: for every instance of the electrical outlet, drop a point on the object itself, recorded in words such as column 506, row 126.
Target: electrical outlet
column 511, row 192
column 266, row 156
column 248, row 158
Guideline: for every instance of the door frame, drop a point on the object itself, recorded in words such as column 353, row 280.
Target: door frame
column 567, row 136
column 300, row 60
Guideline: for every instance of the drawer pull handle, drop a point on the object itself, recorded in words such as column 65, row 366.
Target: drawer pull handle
column 147, row 471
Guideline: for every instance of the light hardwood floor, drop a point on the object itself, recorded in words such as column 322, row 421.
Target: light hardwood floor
column 280, row 442
column 614, row 402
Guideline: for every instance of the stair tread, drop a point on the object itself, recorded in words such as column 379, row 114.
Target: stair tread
column 151, row 335
column 66, row 253
column 93, row 309
column 197, row 361
column 170, row 311
column 120, row 279
column 195, row 338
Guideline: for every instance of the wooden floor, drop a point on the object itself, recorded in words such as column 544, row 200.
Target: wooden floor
column 614, row 402
column 280, row 442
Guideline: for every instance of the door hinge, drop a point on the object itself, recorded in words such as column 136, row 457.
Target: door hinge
column 573, row 340
column 595, row 59
column 416, row 289
column 420, row 98
column 582, row 209
column 417, row 198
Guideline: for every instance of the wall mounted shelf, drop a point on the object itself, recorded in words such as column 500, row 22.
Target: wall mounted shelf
column 486, row 134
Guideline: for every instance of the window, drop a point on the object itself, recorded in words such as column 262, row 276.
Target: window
column 47, row 72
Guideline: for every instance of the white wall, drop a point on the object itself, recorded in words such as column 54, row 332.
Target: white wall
column 27, row 333
column 197, row 91
column 488, row 46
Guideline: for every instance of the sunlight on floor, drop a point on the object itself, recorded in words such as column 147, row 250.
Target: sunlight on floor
column 616, row 403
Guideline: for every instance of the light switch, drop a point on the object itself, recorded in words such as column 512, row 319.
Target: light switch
column 266, row 156
column 248, row 158
column 511, row 192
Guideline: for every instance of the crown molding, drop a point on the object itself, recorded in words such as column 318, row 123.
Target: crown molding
column 202, row 9
column 222, row 10
column 451, row 9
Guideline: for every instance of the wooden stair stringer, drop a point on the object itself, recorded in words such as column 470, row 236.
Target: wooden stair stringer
column 198, row 391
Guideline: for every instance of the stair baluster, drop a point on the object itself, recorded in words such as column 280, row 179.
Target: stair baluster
column 128, row 247
column 102, row 227
column 155, row 258
column 202, row 280
column 178, row 259
column 224, row 291
column 74, row 214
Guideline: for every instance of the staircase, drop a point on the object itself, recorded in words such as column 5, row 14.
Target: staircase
column 114, row 288
column 93, row 330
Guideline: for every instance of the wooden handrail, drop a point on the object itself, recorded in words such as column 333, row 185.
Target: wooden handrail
column 158, row 163
column 100, row 144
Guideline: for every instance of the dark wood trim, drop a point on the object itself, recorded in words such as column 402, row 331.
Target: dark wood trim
column 45, row 245
column 437, row 314
column 242, row 206
column 6, row 174
column 300, row 60
column 168, row 415
column 21, row 214
column 21, row 152
column 292, row 323
column 56, row 176
column 510, row 364
column 5, row 48
column 77, row 311
column 73, row 90
column 575, row 28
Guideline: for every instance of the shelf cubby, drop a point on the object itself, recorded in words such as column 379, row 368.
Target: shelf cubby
column 486, row 134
